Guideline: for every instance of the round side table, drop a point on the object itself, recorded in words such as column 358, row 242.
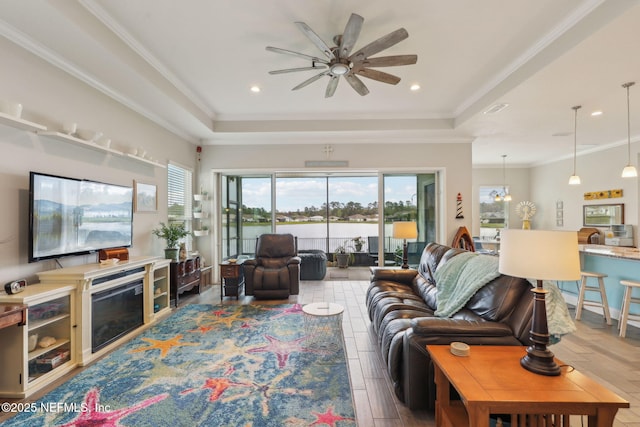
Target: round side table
column 323, row 325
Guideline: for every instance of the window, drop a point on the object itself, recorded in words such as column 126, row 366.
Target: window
column 179, row 197
column 494, row 214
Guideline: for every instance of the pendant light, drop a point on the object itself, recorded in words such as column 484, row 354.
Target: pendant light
column 575, row 179
column 505, row 196
column 629, row 171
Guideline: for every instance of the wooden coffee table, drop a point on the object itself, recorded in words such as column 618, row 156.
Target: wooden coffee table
column 491, row 381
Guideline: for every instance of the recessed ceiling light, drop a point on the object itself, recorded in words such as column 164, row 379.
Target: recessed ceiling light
column 496, row 108
column 596, row 113
column 255, row 89
column 414, row 87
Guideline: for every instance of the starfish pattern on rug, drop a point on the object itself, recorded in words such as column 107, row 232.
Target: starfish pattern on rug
column 328, row 418
column 282, row 349
column 164, row 345
column 216, row 318
column 217, row 386
column 295, row 309
column 93, row 417
column 202, row 329
column 268, row 389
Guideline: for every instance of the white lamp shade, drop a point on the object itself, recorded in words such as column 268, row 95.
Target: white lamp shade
column 629, row 172
column 539, row 254
column 574, row 180
column 405, row 230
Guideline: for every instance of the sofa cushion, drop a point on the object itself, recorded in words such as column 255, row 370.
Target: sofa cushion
column 496, row 300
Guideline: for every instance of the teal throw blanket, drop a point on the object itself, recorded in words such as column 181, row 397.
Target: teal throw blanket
column 459, row 278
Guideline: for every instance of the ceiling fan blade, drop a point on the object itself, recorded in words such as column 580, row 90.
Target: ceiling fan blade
column 293, row 70
column 379, row 76
column 387, row 61
column 380, row 44
column 331, row 86
column 356, row 83
column 311, row 35
column 311, row 80
column 302, row 55
column 350, row 34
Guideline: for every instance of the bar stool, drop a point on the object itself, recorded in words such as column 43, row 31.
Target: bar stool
column 584, row 287
column 627, row 300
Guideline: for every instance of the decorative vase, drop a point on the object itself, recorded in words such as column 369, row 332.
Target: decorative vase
column 171, row 253
column 183, row 252
column 358, row 247
column 343, row 260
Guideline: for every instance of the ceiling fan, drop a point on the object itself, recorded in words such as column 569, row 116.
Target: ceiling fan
column 340, row 61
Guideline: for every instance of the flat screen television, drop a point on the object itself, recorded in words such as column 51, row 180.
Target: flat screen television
column 69, row 216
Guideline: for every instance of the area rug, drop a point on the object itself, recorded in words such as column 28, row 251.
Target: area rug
column 212, row 366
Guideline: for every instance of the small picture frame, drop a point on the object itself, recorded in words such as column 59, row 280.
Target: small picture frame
column 145, row 197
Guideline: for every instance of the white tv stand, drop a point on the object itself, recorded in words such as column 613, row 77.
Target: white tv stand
column 71, row 289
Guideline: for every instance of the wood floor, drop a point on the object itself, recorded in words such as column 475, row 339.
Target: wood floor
column 595, row 349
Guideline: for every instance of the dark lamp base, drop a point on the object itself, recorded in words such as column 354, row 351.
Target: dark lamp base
column 405, row 255
column 540, row 362
column 539, row 359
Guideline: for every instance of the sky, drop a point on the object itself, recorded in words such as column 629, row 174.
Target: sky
column 298, row 193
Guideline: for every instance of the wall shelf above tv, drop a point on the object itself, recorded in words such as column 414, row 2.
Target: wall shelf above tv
column 94, row 146
column 77, row 141
column 18, row 123
column 22, row 124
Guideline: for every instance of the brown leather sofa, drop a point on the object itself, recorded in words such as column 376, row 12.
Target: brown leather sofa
column 275, row 271
column 401, row 306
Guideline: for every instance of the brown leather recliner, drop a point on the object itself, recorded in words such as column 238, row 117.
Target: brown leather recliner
column 275, row 271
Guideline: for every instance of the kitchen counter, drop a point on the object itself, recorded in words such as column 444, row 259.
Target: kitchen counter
column 617, row 262
column 611, row 251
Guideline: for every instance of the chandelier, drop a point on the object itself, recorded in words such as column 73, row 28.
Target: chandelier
column 504, row 196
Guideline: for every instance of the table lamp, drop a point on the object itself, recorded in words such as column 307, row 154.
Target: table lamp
column 540, row 255
column 405, row 230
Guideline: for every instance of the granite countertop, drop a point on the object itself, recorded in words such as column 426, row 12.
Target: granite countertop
column 611, row 251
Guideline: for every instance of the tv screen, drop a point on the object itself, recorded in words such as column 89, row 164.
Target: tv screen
column 69, row 216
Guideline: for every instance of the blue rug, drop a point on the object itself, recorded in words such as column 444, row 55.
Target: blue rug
column 211, row 366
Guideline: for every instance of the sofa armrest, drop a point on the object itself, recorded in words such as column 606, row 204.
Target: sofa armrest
column 251, row 261
column 404, row 276
column 294, row 260
column 440, row 330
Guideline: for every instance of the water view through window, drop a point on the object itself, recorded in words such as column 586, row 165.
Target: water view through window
column 329, row 212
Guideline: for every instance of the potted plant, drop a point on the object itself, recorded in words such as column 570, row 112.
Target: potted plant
column 171, row 233
column 358, row 242
column 343, row 255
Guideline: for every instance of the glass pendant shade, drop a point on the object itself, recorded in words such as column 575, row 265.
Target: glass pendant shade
column 629, row 171
column 505, row 196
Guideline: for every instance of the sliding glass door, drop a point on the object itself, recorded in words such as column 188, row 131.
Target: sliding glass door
column 329, row 212
column 409, row 197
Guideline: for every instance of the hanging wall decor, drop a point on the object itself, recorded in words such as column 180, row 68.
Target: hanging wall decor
column 605, row 194
column 459, row 214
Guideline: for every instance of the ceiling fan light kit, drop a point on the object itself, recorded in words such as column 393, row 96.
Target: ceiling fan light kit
column 341, row 62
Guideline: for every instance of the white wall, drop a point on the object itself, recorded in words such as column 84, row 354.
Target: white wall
column 51, row 97
column 546, row 185
column 453, row 160
column 598, row 171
